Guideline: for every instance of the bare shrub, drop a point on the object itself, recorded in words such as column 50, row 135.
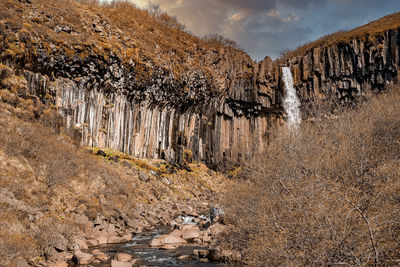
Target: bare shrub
column 325, row 195
column 221, row 41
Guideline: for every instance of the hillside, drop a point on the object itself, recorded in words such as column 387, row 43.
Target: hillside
column 57, row 197
column 372, row 29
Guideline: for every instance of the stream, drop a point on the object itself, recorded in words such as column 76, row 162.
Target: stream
column 139, row 248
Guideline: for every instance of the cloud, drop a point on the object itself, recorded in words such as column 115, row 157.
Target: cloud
column 265, row 27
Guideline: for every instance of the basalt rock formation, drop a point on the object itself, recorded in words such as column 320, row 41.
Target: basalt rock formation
column 191, row 101
column 344, row 70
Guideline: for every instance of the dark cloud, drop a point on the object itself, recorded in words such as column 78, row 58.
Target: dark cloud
column 265, row 27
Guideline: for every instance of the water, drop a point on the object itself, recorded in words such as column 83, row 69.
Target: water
column 291, row 103
column 139, row 248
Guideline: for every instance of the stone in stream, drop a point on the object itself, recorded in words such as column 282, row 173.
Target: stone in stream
column 166, row 239
column 173, row 240
column 176, row 232
column 102, row 257
column 190, row 232
column 115, row 263
column 123, row 257
column 82, row 258
column 168, row 247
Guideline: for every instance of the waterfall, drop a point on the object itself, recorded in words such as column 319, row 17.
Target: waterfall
column 291, row 103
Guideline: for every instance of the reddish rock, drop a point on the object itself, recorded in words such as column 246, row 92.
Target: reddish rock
column 115, row 263
column 123, row 257
column 82, row 258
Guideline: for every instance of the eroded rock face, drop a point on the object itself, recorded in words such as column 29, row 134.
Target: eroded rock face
column 224, row 123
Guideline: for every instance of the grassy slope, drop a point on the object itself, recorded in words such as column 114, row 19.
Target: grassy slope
column 92, row 29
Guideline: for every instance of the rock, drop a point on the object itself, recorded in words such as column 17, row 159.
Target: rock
column 190, row 233
column 101, row 238
column 217, row 229
column 168, row 247
column 101, row 153
column 126, row 164
column 184, row 257
column 143, row 176
column 218, row 254
column 156, row 242
column 59, row 264
column 135, row 261
column 79, row 243
column 113, row 239
column 123, row 257
column 115, row 263
column 203, row 253
column 81, row 219
column 176, row 232
column 126, row 238
column 173, row 240
column 114, row 158
column 166, row 239
column 103, row 257
column 82, row 258
column 92, row 242
column 204, row 260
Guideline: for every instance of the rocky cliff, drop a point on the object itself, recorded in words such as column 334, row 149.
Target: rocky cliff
column 181, row 102
column 343, row 70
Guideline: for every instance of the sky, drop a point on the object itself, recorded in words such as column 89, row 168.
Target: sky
column 268, row 27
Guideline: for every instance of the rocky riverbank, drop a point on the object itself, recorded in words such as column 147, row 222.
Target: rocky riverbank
column 58, row 200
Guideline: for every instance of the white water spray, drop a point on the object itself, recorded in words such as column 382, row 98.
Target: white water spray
column 291, row 103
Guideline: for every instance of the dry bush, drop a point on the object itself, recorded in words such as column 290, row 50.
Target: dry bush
column 327, row 194
column 218, row 40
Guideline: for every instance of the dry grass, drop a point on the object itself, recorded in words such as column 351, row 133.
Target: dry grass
column 87, row 29
column 325, row 195
column 370, row 31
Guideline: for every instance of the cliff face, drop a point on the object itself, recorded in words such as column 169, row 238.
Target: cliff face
column 343, row 70
column 211, row 104
column 155, row 120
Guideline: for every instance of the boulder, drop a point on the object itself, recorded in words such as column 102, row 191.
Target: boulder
column 173, row 240
column 176, row 232
column 79, row 243
column 143, row 176
column 59, row 264
column 217, row 229
column 115, row 263
column 92, row 242
column 190, row 233
column 82, row 258
column 123, row 257
column 168, row 247
column 101, row 153
column 102, row 257
column 127, row 237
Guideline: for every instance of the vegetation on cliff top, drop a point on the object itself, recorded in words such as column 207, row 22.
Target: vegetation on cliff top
column 370, row 30
column 81, row 29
